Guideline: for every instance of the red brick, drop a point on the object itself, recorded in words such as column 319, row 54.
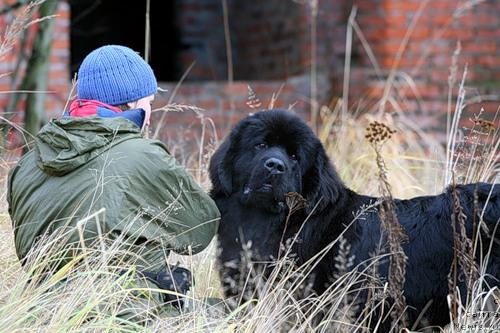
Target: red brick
column 60, row 44
column 207, row 104
column 408, row 62
column 401, row 5
column 493, row 34
column 420, row 32
column 461, row 34
column 479, row 20
column 442, row 19
column 372, row 21
column 189, row 89
column 4, row 86
column 489, row 60
column 236, row 89
column 375, row 91
column 441, row 76
column 62, row 89
column 374, row 35
column 54, row 75
column 366, row 4
column 385, row 48
column 490, row 108
column 395, row 32
column 431, row 91
column 261, row 89
column 63, row 14
column 397, row 20
column 443, row 4
column 489, row 47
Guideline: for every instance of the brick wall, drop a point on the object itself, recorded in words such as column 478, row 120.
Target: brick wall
column 226, row 103
column 424, row 67
column 267, row 38
column 271, row 47
column 270, row 38
column 271, row 54
column 59, row 84
column 271, row 41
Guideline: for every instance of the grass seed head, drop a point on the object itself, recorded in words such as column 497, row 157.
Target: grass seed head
column 486, row 125
column 295, row 201
column 378, row 132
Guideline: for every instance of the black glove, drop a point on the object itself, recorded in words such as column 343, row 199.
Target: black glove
column 173, row 278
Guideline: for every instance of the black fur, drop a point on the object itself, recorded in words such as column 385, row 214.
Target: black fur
column 250, row 197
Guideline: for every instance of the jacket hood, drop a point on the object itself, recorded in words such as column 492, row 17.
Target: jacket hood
column 65, row 144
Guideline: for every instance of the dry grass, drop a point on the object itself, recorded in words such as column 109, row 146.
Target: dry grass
column 24, row 307
column 415, row 161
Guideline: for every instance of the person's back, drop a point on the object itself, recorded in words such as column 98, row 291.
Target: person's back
column 95, row 160
column 70, row 177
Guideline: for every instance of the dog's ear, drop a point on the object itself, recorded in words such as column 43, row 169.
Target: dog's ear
column 220, row 169
column 321, row 185
column 221, row 163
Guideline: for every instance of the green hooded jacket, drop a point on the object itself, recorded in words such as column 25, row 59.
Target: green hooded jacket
column 82, row 165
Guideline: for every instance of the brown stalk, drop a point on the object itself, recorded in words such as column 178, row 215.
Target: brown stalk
column 294, row 202
column 463, row 251
column 377, row 134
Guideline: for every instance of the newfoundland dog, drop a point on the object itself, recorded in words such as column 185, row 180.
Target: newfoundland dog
column 272, row 153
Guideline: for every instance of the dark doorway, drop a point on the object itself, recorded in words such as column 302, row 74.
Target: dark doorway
column 96, row 23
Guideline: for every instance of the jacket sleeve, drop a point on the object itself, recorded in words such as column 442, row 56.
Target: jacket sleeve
column 183, row 215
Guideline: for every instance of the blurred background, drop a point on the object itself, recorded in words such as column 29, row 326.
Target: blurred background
column 214, row 54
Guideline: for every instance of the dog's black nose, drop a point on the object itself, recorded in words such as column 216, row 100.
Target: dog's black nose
column 274, row 165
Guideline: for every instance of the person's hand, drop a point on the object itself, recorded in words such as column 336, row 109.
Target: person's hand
column 175, row 278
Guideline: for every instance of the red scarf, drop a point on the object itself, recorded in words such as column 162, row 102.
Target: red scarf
column 88, row 107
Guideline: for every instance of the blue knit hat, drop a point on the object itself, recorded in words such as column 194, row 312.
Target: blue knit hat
column 115, row 75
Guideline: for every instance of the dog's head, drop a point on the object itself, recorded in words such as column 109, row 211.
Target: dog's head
column 270, row 154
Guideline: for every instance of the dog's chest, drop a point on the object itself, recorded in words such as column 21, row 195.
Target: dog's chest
column 244, row 228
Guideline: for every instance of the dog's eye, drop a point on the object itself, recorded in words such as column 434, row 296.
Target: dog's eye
column 293, row 157
column 261, row 146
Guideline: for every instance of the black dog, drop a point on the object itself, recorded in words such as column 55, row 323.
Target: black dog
column 273, row 153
